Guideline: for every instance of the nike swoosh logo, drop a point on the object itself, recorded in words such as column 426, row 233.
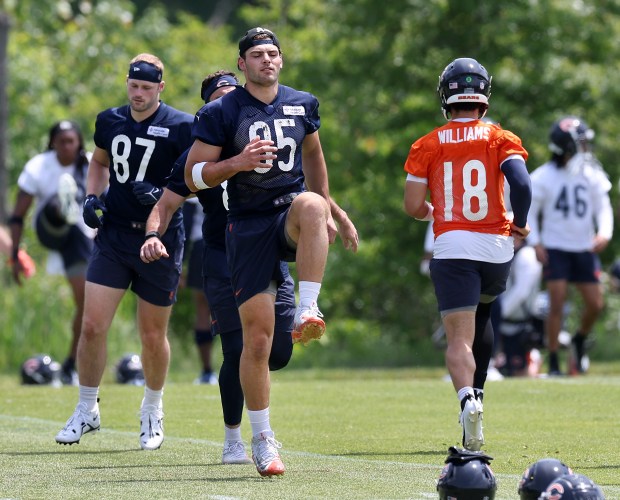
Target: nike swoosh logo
column 238, row 292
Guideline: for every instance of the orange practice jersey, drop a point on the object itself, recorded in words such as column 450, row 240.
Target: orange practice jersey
column 461, row 162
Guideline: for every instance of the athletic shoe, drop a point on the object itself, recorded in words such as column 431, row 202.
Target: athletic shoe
column 265, row 455
column 67, row 195
column 81, row 422
column 308, row 324
column 471, row 421
column 234, row 453
column 494, row 375
column 207, row 378
column 69, row 377
column 580, row 362
column 151, row 427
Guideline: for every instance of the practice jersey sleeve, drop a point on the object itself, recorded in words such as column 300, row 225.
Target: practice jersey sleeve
column 461, row 163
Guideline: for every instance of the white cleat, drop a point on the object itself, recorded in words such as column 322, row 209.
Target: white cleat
column 234, row 453
column 151, row 427
column 471, row 421
column 308, row 324
column 81, row 422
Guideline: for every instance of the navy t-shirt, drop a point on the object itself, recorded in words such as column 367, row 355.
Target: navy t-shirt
column 233, row 120
column 142, row 151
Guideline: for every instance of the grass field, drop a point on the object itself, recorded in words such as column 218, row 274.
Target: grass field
column 345, row 434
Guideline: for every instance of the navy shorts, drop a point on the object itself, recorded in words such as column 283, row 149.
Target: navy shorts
column 460, row 283
column 73, row 245
column 255, row 247
column 224, row 311
column 194, row 264
column 575, row 267
column 116, row 263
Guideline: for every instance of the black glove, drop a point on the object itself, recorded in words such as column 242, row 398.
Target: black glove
column 146, row 193
column 91, row 204
column 460, row 456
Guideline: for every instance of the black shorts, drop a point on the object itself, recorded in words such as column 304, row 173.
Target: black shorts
column 116, row 263
column 460, row 283
column 255, row 248
column 575, row 267
column 194, row 265
column 225, row 314
column 68, row 240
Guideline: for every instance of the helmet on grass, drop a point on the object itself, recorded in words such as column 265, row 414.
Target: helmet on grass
column 40, row 370
column 539, row 475
column 129, row 370
column 466, row 476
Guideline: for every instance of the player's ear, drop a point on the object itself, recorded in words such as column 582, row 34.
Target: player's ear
column 241, row 64
column 162, row 85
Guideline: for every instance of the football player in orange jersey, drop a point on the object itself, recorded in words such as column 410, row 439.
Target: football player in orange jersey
column 463, row 165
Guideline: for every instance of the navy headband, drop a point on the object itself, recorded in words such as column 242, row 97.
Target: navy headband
column 222, row 81
column 142, row 70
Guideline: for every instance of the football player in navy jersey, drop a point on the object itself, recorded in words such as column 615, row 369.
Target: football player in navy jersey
column 252, row 138
column 136, row 147
column 217, row 284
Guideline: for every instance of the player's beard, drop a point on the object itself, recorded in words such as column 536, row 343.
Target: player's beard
column 142, row 106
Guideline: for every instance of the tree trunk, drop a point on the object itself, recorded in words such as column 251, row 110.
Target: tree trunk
column 5, row 26
column 223, row 10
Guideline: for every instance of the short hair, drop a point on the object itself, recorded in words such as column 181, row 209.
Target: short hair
column 149, row 58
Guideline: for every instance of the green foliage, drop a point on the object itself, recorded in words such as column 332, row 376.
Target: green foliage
column 374, row 68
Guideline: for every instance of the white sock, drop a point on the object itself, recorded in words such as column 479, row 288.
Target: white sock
column 88, row 395
column 464, row 392
column 259, row 420
column 232, row 434
column 308, row 293
column 152, row 397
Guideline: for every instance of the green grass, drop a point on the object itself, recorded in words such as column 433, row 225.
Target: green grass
column 345, row 434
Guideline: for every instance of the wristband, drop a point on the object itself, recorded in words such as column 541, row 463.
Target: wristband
column 152, row 234
column 16, row 219
column 197, row 176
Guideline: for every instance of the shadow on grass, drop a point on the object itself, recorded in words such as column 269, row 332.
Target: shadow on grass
column 390, row 454
column 65, row 452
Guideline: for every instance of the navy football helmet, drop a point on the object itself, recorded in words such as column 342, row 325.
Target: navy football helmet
column 539, row 475
column 464, row 80
column 570, row 135
column 467, row 476
column 129, row 370
column 573, row 487
column 40, row 370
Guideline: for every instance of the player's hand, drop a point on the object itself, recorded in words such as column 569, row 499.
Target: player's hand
column 600, row 243
column 153, row 249
column 541, row 254
column 23, row 265
column 146, row 193
column 348, row 234
column 255, row 155
column 519, row 233
column 92, row 203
